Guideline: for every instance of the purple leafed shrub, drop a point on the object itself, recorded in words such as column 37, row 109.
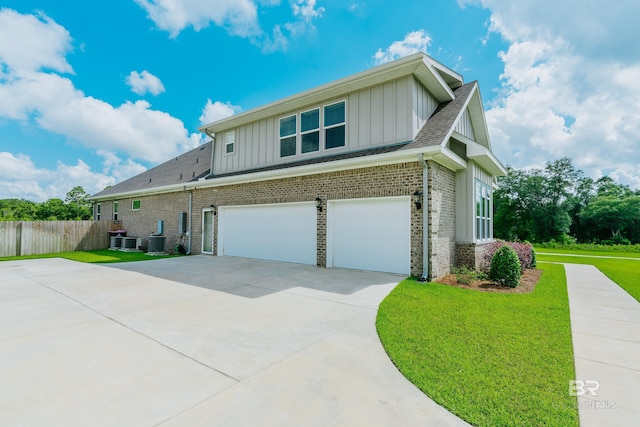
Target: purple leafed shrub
column 523, row 250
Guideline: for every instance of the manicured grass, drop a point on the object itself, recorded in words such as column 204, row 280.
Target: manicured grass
column 616, row 254
column 492, row 359
column 622, row 271
column 101, row 256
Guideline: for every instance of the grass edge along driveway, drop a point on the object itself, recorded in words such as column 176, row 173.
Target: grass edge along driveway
column 622, row 268
column 492, row 359
column 103, row 256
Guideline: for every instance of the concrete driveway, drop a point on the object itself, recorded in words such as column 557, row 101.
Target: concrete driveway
column 198, row 341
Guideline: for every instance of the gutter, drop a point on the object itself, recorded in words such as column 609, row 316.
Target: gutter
column 425, row 218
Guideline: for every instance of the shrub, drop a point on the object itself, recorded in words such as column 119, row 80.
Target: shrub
column 505, row 267
column 466, row 275
column 524, row 251
column 534, row 263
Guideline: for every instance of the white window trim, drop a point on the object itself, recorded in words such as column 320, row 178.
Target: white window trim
column 318, row 129
column 232, row 143
column 116, row 208
column 98, row 212
column 139, row 205
column 295, row 135
column 485, row 232
column 321, row 129
column 335, row 125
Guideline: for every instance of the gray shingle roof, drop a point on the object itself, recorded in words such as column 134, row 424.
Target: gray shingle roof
column 436, row 129
column 195, row 164
column 187, row 167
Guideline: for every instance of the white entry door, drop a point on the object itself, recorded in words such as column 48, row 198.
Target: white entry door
column 370, row 234
column 207, row 231
column 278, row 232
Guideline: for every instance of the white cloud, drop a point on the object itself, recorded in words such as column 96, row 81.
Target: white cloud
column 239, row 17
column 21, row 178
column 32, row 91
column 144, row 82
column 415, row 41
column 51, row 101
column 306, row 9
column 33, row 42
column 214, row 111
column 569, row 86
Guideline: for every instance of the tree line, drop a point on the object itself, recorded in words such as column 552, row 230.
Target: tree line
column 75, row 206
column 559, row 203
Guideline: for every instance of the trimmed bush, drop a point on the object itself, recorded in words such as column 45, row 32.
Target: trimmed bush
column 465, row 275
column 524, row 251
column 505, row 267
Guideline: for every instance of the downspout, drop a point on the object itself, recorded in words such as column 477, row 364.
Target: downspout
column 425, row 218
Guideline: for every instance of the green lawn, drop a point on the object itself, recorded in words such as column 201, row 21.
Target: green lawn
column 104, row 256
column 622, row 271
column 492, row 359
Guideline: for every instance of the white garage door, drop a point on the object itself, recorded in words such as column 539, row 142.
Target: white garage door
column 280, row 232
column 370, row 234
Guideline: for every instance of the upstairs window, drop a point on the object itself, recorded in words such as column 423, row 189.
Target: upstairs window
column 229, row 142
column 115, row 211
column 288, row 130
column 484, row 226
column 334, row 125
column 310, row 131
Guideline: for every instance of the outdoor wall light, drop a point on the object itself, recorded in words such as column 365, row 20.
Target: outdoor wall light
column 214, row 208
column 319, row 204
column 417, row 199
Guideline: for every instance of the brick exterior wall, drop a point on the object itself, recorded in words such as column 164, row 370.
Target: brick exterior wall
column 470, row 254
column 442, row 220
column 381, row 181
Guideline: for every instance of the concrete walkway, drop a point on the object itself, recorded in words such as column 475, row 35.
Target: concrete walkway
column 605, row 324
column 199, row 341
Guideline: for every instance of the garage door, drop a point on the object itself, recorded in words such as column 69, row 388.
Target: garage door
column 370, row 234
column 280, row 232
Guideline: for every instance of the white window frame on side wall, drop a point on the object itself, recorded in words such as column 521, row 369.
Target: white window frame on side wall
column 230, row 142
column 325, row 128
column 115, row 211
column 483, row 210
column 293, row 135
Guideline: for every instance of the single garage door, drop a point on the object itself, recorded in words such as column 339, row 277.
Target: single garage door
column 279, row 232
column 370, row 234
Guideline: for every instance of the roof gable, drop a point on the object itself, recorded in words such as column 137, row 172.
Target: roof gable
column 438, row 79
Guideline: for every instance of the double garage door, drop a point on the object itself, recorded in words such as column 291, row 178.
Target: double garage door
column 364, row 234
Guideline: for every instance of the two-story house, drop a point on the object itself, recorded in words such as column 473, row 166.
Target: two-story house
column 390, row 169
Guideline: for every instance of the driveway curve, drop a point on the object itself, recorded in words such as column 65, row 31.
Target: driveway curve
column 199, row 340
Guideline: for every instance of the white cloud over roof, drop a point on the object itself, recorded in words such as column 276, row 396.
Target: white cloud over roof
column 144, row 82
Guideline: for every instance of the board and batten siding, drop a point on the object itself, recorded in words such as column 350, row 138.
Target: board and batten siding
column 424, row 104
column 384, row 114
column 464, row 125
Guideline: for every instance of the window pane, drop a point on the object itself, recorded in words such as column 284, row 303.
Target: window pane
column 478, row 228
column 115, row 207
column 334, row 137
column 288, row 126
column 230, row 137
column 135, row 205
column 310, row 120
column 334, row 114
column 288, row 146
column 230, row 148
column 310, row 142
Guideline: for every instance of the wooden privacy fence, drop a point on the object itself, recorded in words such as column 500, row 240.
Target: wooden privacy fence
column 44, row 237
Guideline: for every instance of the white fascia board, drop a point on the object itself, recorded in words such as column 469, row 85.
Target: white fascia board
column 318, row 168
column 418, row 64
column 452, row 78
column 482, row 156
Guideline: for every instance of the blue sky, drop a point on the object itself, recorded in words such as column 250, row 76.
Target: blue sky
column 93, row 93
